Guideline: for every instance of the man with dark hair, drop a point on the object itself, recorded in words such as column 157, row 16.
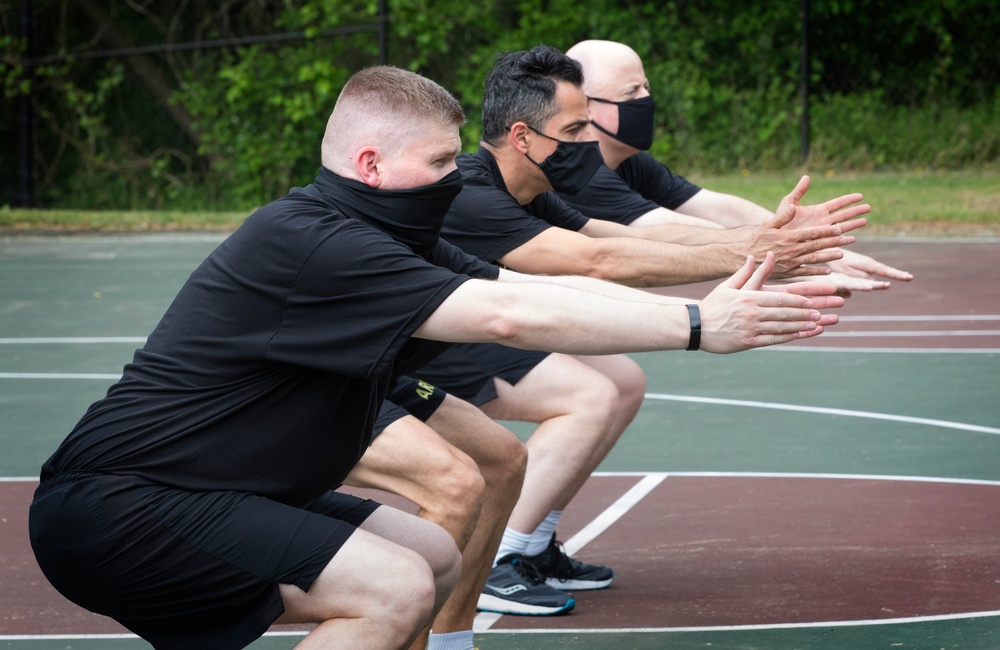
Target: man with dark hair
column 194, row 503
column 633, row 188
column 536, row 137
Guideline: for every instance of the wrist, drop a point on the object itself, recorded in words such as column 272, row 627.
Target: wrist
column 694, row 314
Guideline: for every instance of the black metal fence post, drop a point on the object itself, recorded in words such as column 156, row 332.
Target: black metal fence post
column 25, row 121
column 804, row 84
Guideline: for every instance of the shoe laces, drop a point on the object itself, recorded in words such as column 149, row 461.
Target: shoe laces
column 527, row 569
column 561, row 563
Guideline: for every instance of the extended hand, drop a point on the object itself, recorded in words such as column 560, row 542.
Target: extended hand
column 741, row 313
column 802, row 237
column 840, row 211
column 861, row 266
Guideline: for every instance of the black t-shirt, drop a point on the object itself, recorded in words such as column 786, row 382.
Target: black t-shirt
column 488, row 222
column 266, row 373
column 640, row 184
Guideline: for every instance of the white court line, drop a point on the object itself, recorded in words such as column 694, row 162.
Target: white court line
column 819, row 348
column 811, row 475
column 919, row 318
column 72, row 340
column 737, row 628
column 59, row 375
column 584, row 630
column 826, row 411
column 895, row 333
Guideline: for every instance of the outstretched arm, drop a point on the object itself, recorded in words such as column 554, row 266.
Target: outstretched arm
column 857, row 272
column 799, row 235
column 738, row 315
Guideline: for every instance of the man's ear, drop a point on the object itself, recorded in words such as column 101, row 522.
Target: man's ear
column 518, row 136
column 367, row 161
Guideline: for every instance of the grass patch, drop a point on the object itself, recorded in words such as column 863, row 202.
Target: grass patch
column 118, row 220
column 914, row 202
column 937, row 202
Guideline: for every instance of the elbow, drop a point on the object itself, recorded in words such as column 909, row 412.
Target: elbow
column 599, row 265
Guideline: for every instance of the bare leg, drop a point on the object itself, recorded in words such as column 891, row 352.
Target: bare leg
column 630, row 381
column 381, row 589
column 581, row 414
column 410, row 459
column 445, row 476
column 502, row 459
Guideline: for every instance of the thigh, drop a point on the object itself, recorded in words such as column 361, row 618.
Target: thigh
column 407, row 459
column 557, row 386
column 391, row 551
column 468, row 428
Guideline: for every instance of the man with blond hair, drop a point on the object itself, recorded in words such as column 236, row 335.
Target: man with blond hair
column 194, row 503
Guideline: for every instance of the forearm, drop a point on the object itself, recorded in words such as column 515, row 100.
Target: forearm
column 724, row 209
column 545, row 316
column 693, row 235
column 642, row 263
column 596, row 286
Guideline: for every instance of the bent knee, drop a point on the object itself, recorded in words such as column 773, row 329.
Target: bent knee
column 459, row 487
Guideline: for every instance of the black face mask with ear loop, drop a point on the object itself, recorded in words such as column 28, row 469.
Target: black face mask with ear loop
column 571, row 166
column 412, row 216
column 635, row 121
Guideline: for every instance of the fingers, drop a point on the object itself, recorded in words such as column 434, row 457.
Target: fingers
column 843, row 201
column 783, row 216
column 895, row 274
column 885, row 271
column 853, row 224
column 800, row 190
column 762, row 273
column 740, row 278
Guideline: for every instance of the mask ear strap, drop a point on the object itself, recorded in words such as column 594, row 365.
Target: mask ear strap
column 604, row 130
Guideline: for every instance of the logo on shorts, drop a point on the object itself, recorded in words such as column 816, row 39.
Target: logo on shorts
column 424, row 390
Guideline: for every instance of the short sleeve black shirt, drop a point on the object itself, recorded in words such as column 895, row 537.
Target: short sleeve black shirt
column 640, row 184
column 487, row 221
column 266, row 373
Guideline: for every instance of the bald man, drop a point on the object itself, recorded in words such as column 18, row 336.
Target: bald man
column 636, row 189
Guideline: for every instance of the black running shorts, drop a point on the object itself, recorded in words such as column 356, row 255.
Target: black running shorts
column 468, row 370
column 408, row 396
column 184, row 570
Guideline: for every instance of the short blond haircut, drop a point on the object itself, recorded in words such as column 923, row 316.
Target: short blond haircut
column 380, row 106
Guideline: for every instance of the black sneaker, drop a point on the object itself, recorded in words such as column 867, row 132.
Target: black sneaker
column 515, row 586
column 563, row 572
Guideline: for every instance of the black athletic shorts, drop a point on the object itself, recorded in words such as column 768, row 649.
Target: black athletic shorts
column 408, row 396
column 184, row 570
column 467, row 370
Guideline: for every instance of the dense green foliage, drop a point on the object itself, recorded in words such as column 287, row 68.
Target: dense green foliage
column 892, row 85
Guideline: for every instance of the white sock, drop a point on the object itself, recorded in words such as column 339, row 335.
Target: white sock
column 450, row 641
column 542, row 536
column 511, row 542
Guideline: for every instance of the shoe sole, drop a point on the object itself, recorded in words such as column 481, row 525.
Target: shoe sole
column 496, row 605
column 579, row 585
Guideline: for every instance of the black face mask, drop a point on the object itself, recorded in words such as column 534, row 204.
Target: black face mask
column 571, row 165
column 635, row 121
column 413, row 216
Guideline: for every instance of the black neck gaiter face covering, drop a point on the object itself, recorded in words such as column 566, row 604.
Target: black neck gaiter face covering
column 635, row 121
column 571, row 166
column 413, row 216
